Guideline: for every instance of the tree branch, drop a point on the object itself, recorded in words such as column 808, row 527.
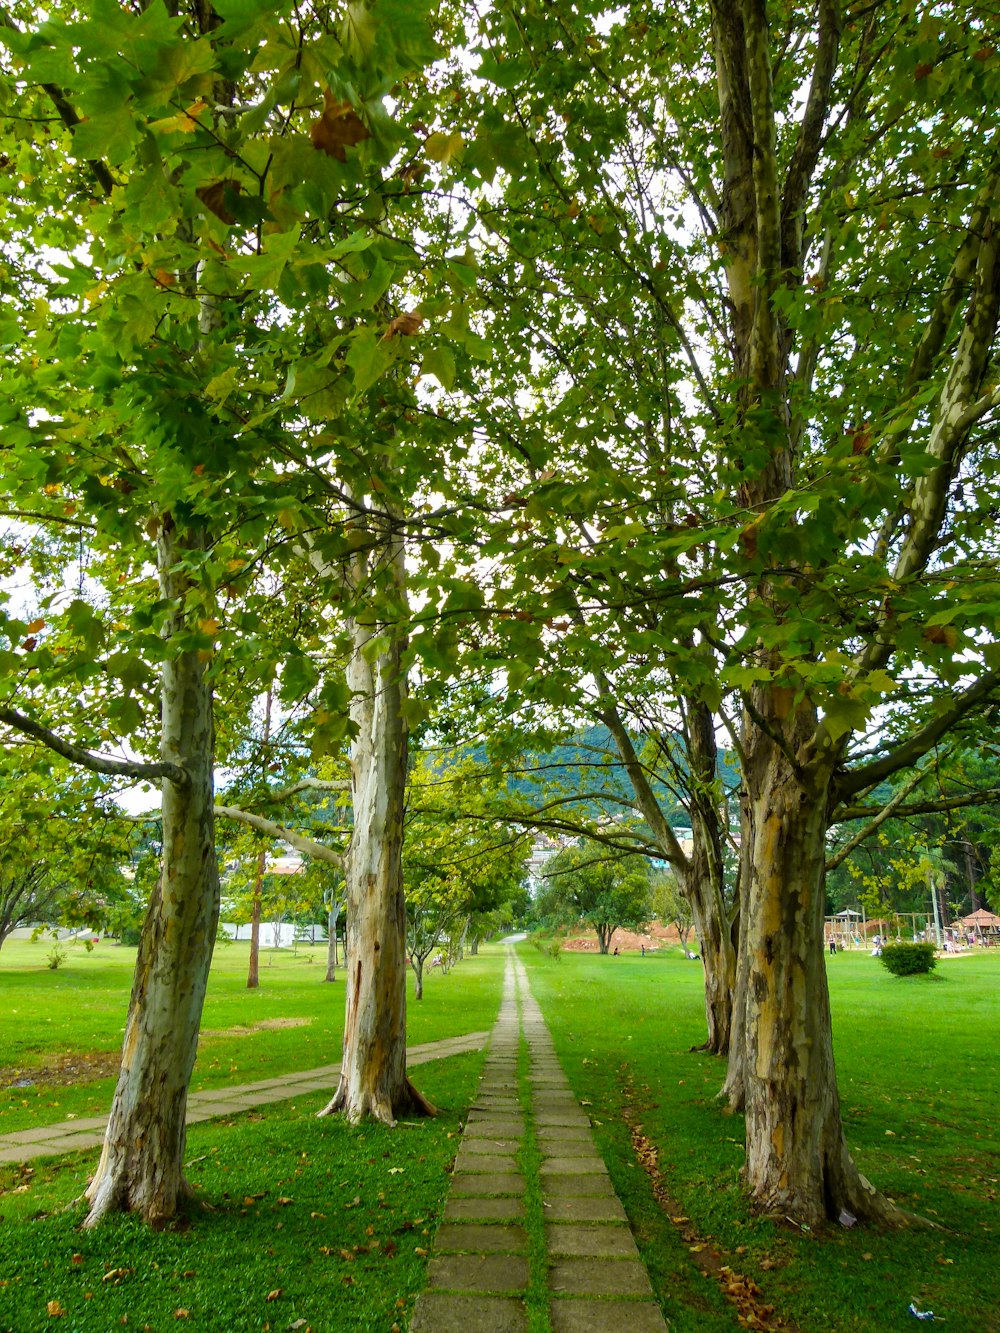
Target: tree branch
column 810, row 137
column 307, row 846
column 921, row 741
column 122, row 768
column 879, row 817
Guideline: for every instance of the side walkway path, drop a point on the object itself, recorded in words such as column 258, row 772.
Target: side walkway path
column 72, row 1135
column 528, row 1164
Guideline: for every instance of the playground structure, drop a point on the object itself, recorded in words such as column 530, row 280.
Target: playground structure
column 851, row 929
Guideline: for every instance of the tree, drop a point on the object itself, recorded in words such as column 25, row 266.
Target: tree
column 604, row 892
column 216, row 301
column 60, row 846
column 460, row 862
column 670, row 905
column 773, row 430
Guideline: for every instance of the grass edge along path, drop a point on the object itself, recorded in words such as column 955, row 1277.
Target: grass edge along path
column 537, row 1221
column 70, row 1136
column 919, row 1089
column 307, row 1219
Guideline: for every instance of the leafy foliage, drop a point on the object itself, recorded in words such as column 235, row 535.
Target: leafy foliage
column 908, row 959
column 585, row 885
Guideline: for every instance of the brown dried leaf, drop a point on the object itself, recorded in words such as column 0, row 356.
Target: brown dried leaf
column 55, row 1309
column 338, row 128
column 274, row 1295
column 405, row 325
column 214, row 199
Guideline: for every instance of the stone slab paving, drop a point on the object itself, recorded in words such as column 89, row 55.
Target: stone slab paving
column 438, row 1312
column 71, row 1135
column 592, row 1270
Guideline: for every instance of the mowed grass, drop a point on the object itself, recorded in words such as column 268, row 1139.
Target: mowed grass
column 75, row 1016
column 311, row 1220
column 920, row 1086
column 307, row 1219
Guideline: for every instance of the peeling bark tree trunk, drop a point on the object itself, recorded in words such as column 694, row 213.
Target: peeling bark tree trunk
column 718, row 953
column 141, row 1166
column 703, row 881
column 253, row 967
column 797, row 1162
column 373, row 1082
column 331, row 945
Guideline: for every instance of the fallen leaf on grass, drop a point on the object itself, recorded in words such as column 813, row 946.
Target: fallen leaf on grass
column 284, row 1201
column 55, row 1309
column 117, row 1275
column 273, row 1295
column 182, row 1314
column 419, row 1249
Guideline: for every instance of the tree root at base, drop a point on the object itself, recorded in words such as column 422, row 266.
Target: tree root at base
column 116, row 1194
column 408, row 1101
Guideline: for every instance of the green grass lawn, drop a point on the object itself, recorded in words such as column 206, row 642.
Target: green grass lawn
column 76, row 1016
column 338, row 1221
column 310, row 1219
column 920, row 1086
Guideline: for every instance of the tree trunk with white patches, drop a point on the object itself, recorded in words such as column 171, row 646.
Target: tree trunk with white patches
column 141, row 1166
column 798, row 1165
column 373, row 1082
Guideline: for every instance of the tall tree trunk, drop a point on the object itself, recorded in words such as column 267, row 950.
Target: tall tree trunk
column 331, row 944
column 253, row 967
column 373, row 1082
column 718, row 952
column 797, row 1161
column 734, row 1089
column 141, row 1166
column 702, row 881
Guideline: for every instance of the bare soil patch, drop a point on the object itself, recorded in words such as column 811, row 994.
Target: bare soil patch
column 627, row 941
column 265, row 1025
column 73, row 1067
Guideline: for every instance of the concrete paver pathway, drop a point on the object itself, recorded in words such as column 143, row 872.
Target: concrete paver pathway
column 482, row 1263
column 72, row 1135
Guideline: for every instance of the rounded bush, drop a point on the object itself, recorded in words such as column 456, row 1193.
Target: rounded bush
column 906, row 960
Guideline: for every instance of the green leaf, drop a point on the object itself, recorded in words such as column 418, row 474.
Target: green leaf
column 439, row 361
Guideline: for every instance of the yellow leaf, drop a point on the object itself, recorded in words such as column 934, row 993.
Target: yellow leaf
column 184, row 123
column 55, row 1309
column 35, row 625
column 443, row 147
column 209, row 627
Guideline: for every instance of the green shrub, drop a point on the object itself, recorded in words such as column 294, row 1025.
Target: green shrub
column 130, row 936
column 547, row 942
column 56, row 955
column 906, row 960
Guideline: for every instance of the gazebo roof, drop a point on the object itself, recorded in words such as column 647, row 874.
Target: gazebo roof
column 982, row 918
